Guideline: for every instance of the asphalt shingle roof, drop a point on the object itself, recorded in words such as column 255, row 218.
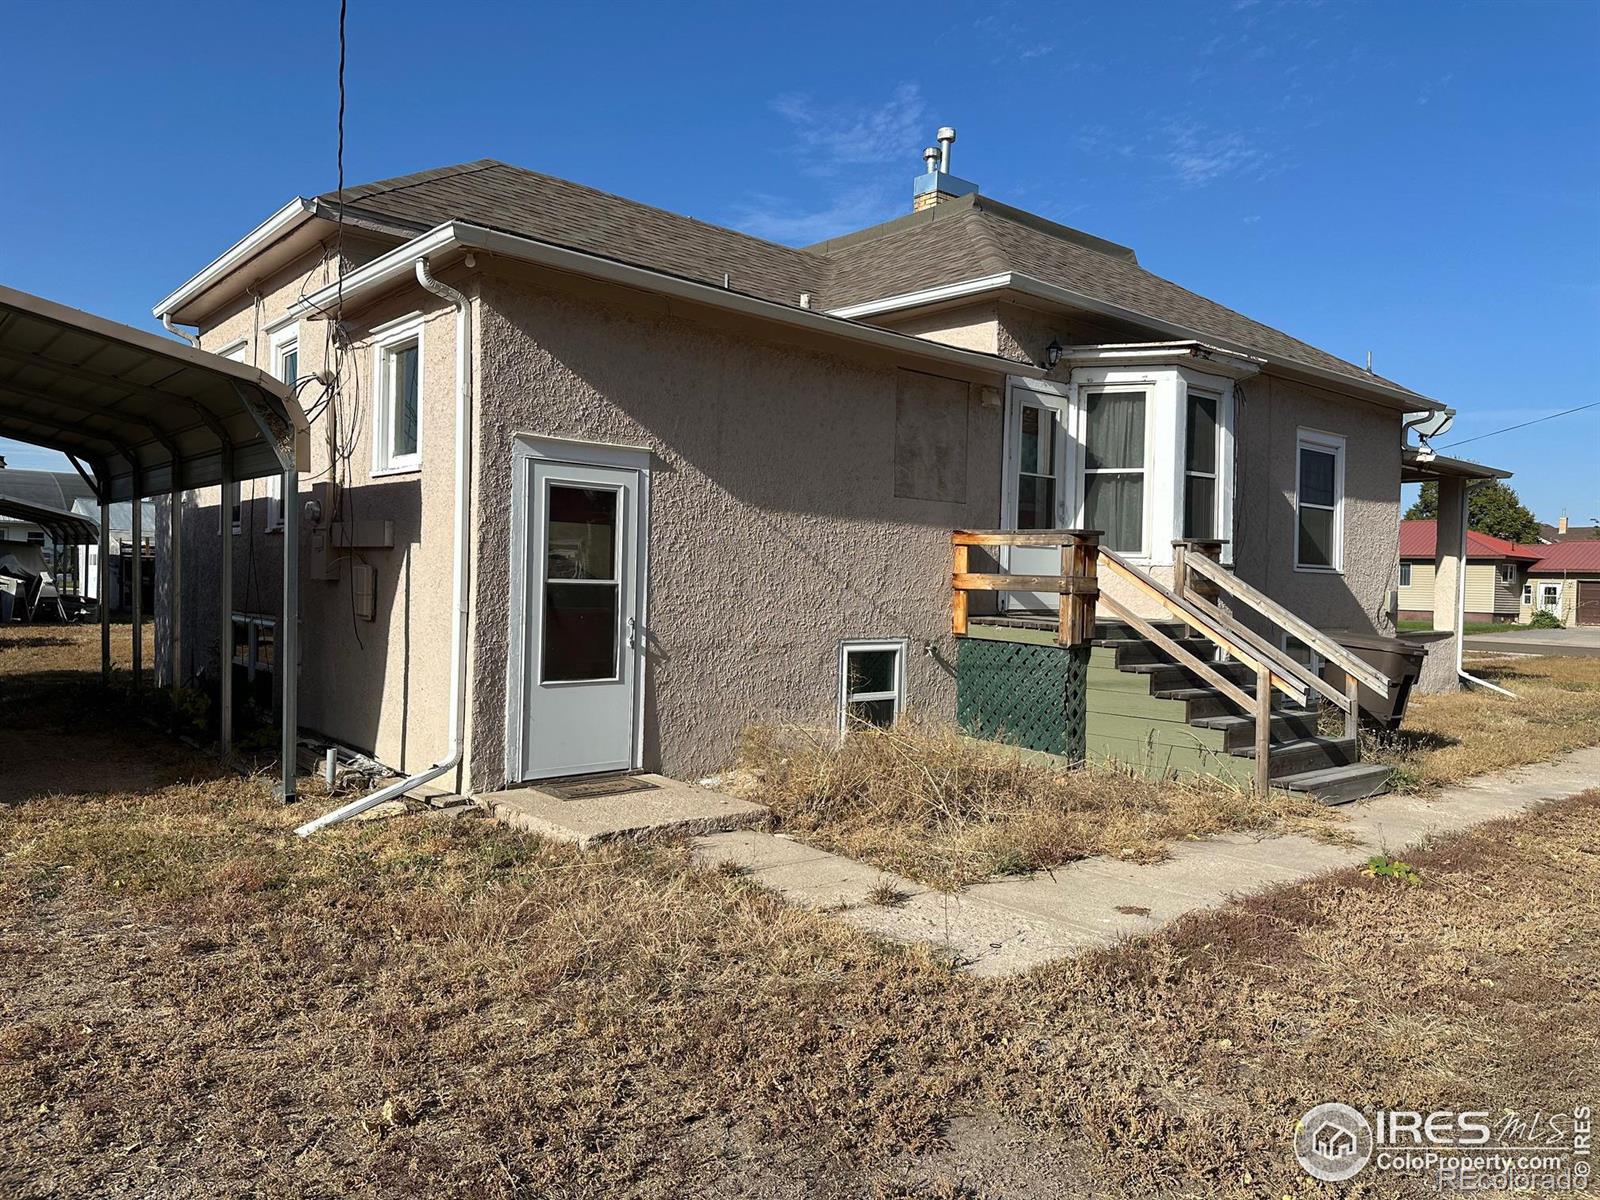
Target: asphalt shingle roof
column 963, row 239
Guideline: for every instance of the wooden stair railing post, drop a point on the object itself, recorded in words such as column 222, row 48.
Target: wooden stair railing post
column 1263, row 730
column 1352, row 711
column 1086, row 562
column 958, row 594
column 1067, row 604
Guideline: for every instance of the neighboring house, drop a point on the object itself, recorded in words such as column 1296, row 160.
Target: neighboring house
column 1496, row 574
column 1565, row 581
column 1562, row 531
column 712, row 479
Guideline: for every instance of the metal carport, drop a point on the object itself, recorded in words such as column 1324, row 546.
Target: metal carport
column 140, row 415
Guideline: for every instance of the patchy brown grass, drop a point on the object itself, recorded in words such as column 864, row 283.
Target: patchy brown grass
column 930, row 804
column 193, row 1002
column 1446, row 739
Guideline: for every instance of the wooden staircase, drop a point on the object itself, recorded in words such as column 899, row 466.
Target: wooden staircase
column 1200, row 690
column 1300, row 759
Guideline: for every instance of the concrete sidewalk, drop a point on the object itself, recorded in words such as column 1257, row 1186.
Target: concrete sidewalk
column 1013, row 925
column 1582, row 641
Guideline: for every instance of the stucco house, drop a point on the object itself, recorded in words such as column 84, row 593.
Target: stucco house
column 1496, row 574
column 699, row 479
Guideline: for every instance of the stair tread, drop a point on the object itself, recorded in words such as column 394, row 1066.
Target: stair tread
column 1236, row 720
column 1297, row 744
column 1307, row 780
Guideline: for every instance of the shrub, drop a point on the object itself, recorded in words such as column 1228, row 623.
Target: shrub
column 1545, row 620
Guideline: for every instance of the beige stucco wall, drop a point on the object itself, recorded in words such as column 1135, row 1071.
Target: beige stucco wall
column 971, row 327
column 380, row 686
column 776, row 530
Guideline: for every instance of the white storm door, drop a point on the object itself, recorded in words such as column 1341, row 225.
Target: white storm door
column 1038, row 465
column 580, row 636
column 1550, row 598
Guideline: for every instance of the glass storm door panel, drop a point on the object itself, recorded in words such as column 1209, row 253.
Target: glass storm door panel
column 1037, row 459
column 580, row 629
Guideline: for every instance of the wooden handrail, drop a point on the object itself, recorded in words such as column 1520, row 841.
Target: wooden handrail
column 1287, row 621
column 1077, row 585
column 1251, row 651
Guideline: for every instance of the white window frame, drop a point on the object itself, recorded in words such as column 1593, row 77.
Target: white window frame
column 386, row 340
column 1152, row 416
column 1527, row 592
column 1405, row 575
column 235, row 352
column 1166, row 389
column 282, row 342
column 1550, row 597
column 1508, row 573
column 1222, row 492
column 899, row 646
column 1325, row 443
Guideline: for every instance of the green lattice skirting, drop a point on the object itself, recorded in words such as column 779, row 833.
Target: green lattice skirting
column 1021, row 693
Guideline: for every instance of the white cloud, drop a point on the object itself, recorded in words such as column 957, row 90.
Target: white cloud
column 829, row 138
column 778, row 220
column 1199, row 156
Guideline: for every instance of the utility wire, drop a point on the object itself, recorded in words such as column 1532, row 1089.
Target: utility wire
column 1524, row 425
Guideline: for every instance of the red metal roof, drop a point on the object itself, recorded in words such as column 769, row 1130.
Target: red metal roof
column 1417, row 541
column 1576, row 557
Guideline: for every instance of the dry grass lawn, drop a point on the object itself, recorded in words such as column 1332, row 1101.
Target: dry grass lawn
column 927, row 803
column 193, row 1002
column 1446, row 739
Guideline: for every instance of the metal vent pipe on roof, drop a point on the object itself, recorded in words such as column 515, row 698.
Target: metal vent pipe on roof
column 946, row 138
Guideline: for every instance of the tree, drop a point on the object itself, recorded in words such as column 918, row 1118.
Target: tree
column 1493, row 509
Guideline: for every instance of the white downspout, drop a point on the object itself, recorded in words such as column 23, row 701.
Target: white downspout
column 1461, row 599
column 458, row 613
column 191, row 338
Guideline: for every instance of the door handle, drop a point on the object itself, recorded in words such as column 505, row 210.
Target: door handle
column 633, row 630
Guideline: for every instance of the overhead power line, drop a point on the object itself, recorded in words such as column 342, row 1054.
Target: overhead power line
column 1524, row 425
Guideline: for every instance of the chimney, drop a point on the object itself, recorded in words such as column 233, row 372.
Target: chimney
column 1561, row 525
column 936, row 184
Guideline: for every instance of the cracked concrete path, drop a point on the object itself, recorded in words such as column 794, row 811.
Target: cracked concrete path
column 1011, row 925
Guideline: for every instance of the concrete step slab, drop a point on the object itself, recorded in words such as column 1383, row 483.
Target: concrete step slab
column 669, row 809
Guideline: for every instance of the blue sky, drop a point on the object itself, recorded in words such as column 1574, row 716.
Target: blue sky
column 1417, row 180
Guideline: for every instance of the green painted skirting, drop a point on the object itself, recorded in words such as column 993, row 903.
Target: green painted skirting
column 1022, row 692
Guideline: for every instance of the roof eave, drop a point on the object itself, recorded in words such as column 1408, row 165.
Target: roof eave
column 395, row 267
column 1389, row 396
column 279, row 225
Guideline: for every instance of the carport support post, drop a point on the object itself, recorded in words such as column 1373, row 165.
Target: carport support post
column 103, row 580
column 175, row 585
column 138, row 583
column 288, row 650
column 225, row 641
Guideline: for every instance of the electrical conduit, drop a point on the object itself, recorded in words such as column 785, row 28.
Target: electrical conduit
column 458, row 615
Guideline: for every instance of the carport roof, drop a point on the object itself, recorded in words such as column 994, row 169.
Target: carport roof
column 68, row 527
column 136, row 406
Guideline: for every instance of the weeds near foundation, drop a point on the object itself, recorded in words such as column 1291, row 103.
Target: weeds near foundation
column 927, row 802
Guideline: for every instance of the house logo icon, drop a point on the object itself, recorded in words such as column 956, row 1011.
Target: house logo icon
column 1332, row 1142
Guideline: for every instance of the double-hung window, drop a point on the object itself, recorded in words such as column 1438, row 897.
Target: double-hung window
column 397, row 412
column 871, row 683
column 1200, row 458
column 1319, row 502
column 1114, row 468
column 1405, row 574
column 1508, row 574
